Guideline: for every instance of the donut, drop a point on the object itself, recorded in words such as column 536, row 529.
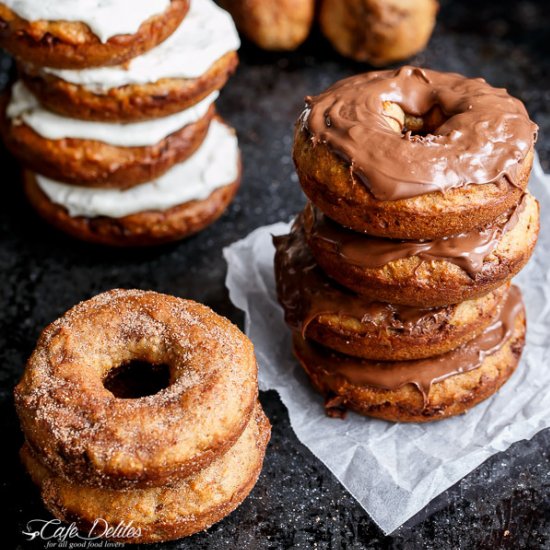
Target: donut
column 185, row 69
column 426, row 273
column 414, row 153
column 89, row 33
column 277, row 26
column 378, row 31
column 160, row 514
column 329, row 314
column 421, row 390
column 188, row 198
column 84, row 433
column 98, row 154
column 131, row 103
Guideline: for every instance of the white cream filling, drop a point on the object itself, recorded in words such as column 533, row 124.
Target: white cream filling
column 25, row 108
column 106, row 18
column 206, row 34
column 214, row 165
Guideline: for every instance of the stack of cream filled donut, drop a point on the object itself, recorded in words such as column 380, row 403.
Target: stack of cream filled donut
column 396, row 277
column 113, row 116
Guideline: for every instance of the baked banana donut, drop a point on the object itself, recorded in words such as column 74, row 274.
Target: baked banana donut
column 414, row 153
column 337, row 318
column 179, row 73
column 84, row 433
column 378, row 31
column 97, row 154
column 426, row 273
column 189, row 197
column 421, row 390
column 273, row 25
column 164, row 513
column 87, row 33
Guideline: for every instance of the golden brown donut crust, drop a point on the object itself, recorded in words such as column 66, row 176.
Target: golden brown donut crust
column 456, row 325
column 329, row 184
column 90, row 163
column 162, row 514
column 142, row 229
column 72, row 45
column 131, row 103
column 83, row 433
column 344, row 321
column 278, row 26
column 378, row 31
column 449, row 397
column 416, row 282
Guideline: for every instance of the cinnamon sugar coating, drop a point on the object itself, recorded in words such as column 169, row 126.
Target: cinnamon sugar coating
column 166, row 513
column 86, row 435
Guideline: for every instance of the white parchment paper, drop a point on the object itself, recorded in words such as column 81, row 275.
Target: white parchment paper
column 395, row 470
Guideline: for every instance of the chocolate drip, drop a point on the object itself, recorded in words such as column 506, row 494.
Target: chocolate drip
column 305, row 293
column 422, row 373
column 484, row 136
column 467, row 250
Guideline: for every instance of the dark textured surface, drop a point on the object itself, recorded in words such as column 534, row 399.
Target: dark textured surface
column 297, row 503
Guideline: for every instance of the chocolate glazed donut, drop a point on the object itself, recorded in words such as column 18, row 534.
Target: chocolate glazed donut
column 339, row 319
column 422, row 390
column 425, row 273
column 414, row 153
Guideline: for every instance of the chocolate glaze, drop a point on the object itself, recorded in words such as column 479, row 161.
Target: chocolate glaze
column 422, row 373
column 305, row 293
column 467, row 250
column 485, row 135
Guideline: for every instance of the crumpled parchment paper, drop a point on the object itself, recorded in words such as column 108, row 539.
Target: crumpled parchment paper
column 395, row 470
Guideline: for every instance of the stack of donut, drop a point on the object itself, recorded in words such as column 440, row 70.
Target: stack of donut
column 113, row 115
column 395, row 279
column 145, row 462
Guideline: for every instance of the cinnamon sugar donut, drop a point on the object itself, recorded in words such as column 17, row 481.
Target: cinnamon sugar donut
column 331, row 315
column 414, row 153
column 70, row 43
column 426, row 273
column 85, row 434
column 98, row 154
column 160, row 514
column 422, row 390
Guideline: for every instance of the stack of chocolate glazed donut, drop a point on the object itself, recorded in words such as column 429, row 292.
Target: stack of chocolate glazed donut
column 113, row 117
column 141, row 417
column 396, row 277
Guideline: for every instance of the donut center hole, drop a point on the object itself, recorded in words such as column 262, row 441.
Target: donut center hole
column 137, row 379
column 413, row 125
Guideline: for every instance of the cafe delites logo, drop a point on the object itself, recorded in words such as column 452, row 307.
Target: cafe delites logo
column 56, row 534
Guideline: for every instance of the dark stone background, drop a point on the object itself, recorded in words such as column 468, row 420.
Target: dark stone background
column 297, row 503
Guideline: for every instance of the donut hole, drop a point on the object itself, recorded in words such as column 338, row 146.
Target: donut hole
column 135, row 379
column 413, row 125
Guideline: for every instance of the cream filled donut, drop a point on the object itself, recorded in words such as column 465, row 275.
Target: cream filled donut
column 195, row 61
column 24, row 108
column 188, row 198
column 105, row 18
column 214, row 165
column 87, row 33
column 99, row 154
column 205, row 35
